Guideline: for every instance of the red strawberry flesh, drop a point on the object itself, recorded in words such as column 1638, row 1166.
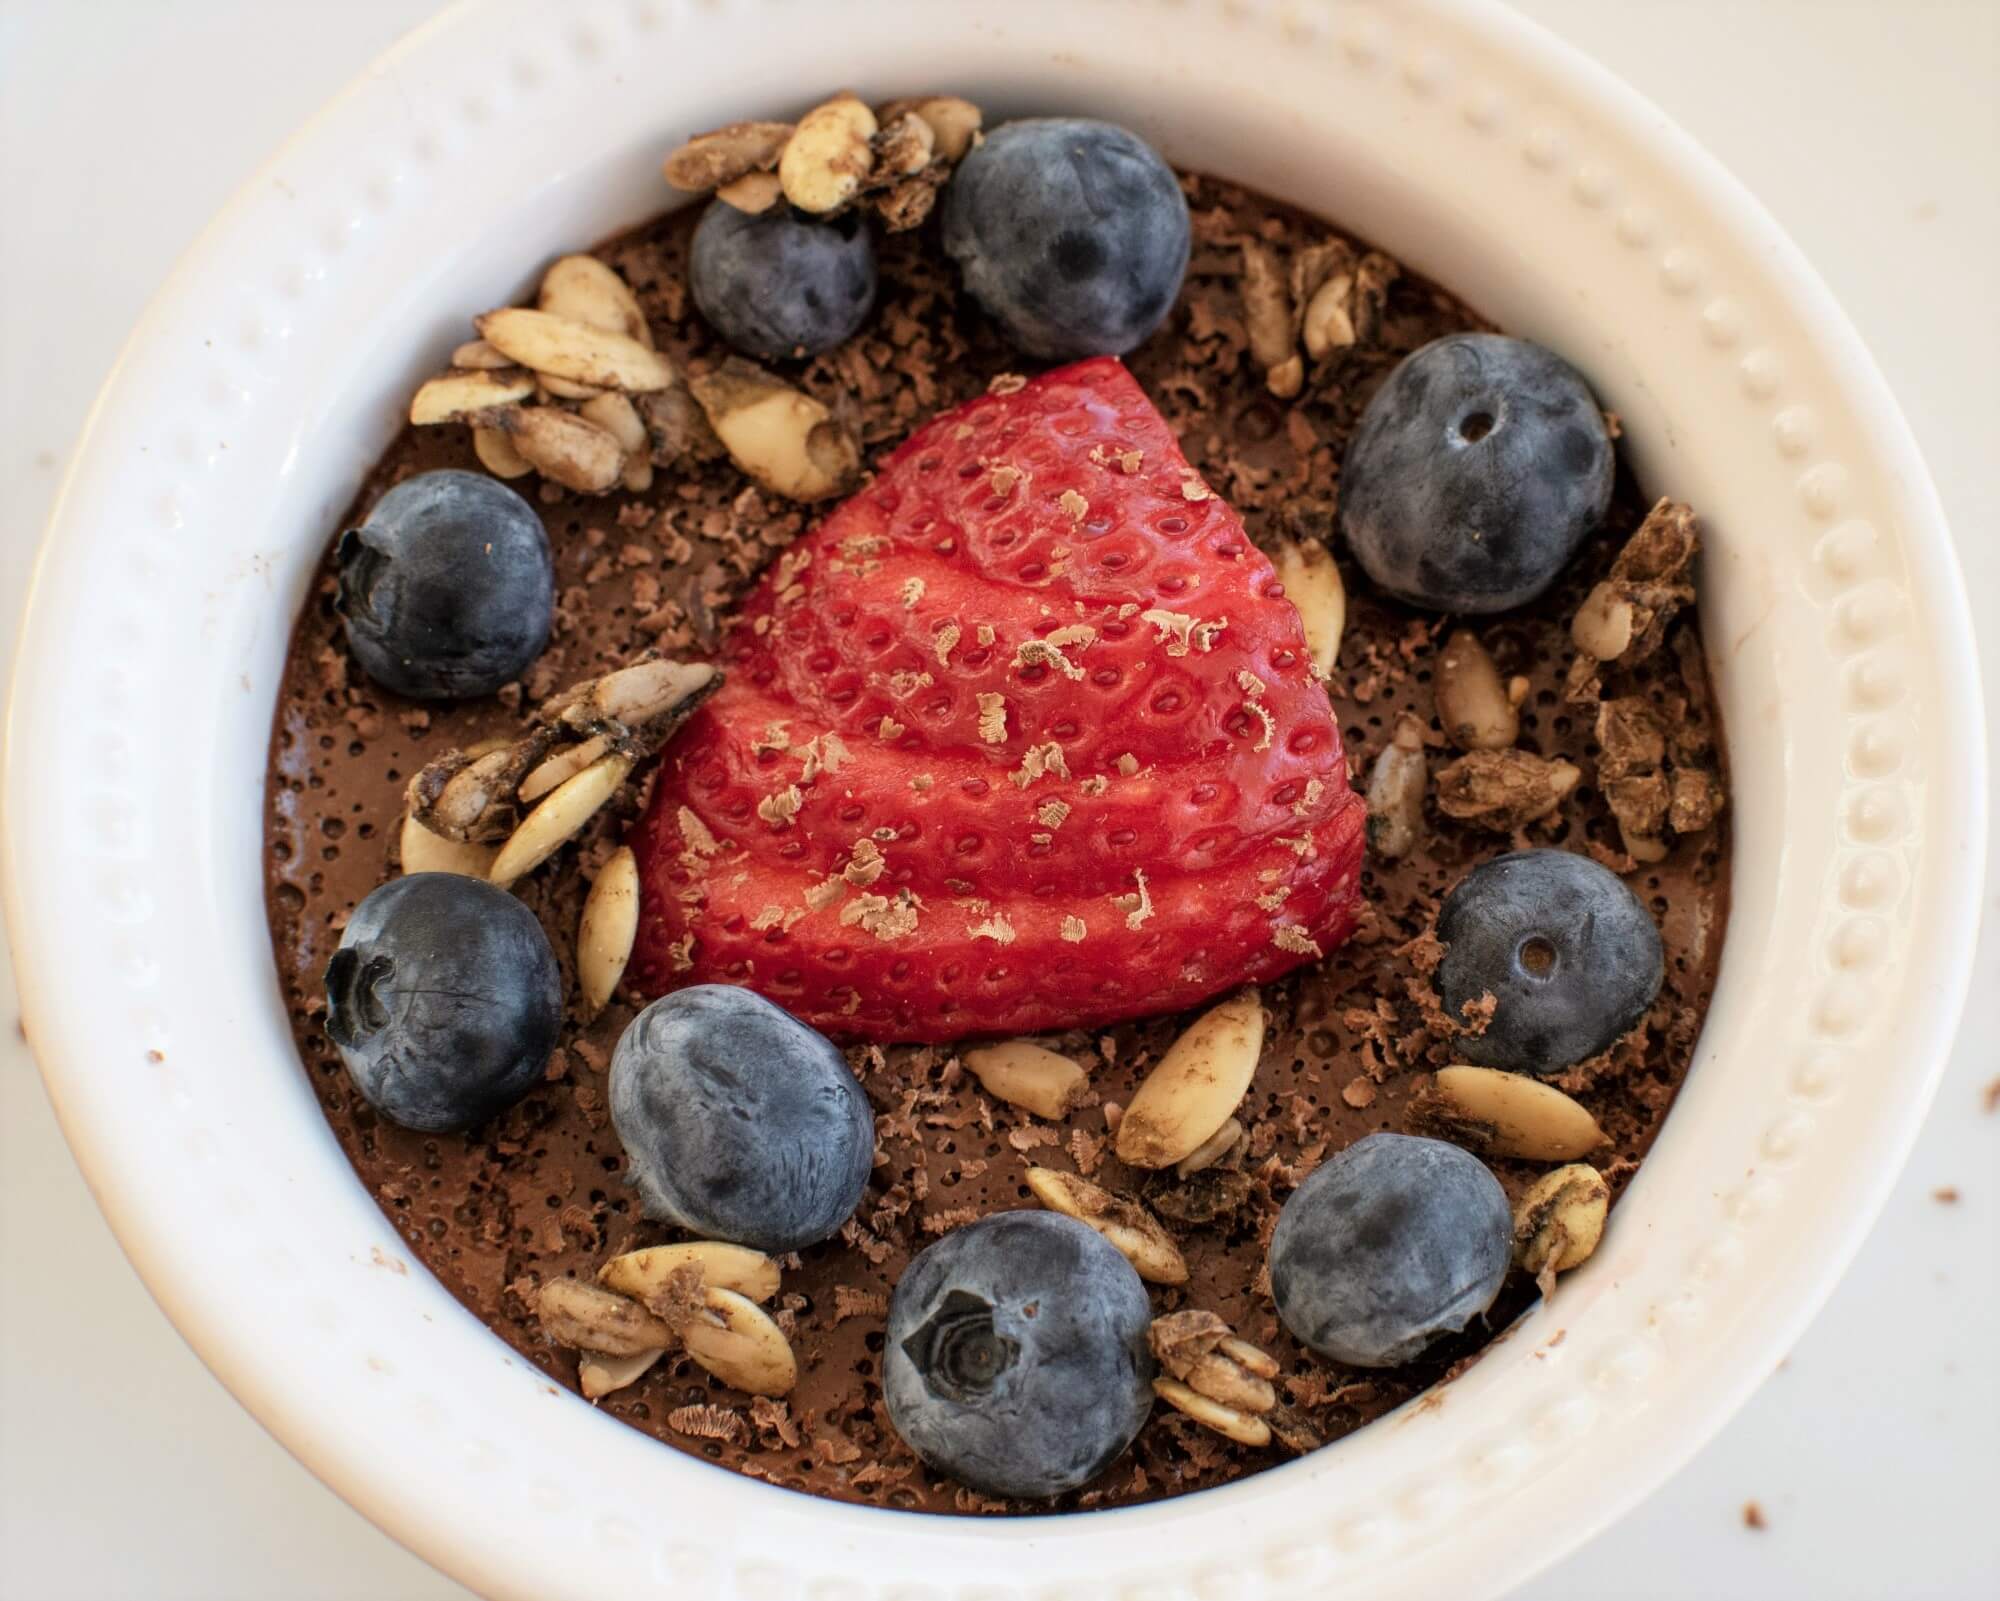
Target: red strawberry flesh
column 1023, row 737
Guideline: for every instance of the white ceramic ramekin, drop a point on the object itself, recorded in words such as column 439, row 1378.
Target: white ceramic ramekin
column 270, row 372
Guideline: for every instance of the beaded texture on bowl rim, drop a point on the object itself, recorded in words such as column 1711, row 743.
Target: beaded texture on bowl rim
column 310, row 1310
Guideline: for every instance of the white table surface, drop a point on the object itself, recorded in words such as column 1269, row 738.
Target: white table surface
column 1869, row 129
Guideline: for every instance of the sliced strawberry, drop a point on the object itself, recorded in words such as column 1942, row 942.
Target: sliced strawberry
column 1024, row 736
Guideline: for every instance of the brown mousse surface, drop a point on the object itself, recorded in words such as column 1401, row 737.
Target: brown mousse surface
column 539, row 1192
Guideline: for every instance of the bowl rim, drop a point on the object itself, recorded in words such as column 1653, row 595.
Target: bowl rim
column 68, row 1042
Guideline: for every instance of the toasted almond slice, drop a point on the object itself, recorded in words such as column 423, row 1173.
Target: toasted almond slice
column 1210, row 1151
column 459, row 395
column 1396, row 791
column 561, row 347
column 903, row 147
column 753, row 194
column 619, row 418
column 954, row 123
column 563, row 389
column 828, row 155
column 1313, row 584
column 783, row 438
column 643, row 1273
column 742, row 1346
column 1249, row 1357
column 588, row 1317
column 561, row 766
column 476, row 355
column 578, row 455
column 1025, row 1074
column 1560, row 1219
column 497, row 454
column 599, row 1374
column 1505, row 1114
column 606, row 931
column 1126, row 1224
column 421, row 851
column 1197, row 1086
column 1221, row 1378
column 557, row 820
column 1267, row 307
column 583, row 289
column 1603, row 624
column 709, row 160
column 1329, row 317
column 1472, row 702
column 1224, row 1420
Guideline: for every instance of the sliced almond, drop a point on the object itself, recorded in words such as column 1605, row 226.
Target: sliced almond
column 598, row 1374
column 1223, row 1379
column 1196, row 1347
column 1210, row 1151
column 1559, row 1221
column 557, row 820
column 954, row 123
column 741, row 1346
column 645, row 701
column 1242, row 1427
column 1329, row 317
column 1504, row 1114
column 642, row 1274
column 1503, row 790
column 620, row 419
column 476, row 355
column 1313, row 584
column 606, row 931
column 709, row 160
column 497, row 454
column 1396, row 792
column 1196, row 1087
column 783, row 438
column 563, row 389
column 1250, row 1357
column 459, row 395
column 1267, row 317
column 903, row 147
column 560, row 767
column 561, row 446
column 421, row 851
column 828, row 155
column 1472, row 702
column 562, row 347
column 1603, row 624
column 590, row 1318
column 753, row 194
column 585, row 290
column 1025, row 1074
column 1126, row 1224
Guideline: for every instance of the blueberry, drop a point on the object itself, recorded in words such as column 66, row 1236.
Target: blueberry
column 1386, row 1246
column 1073, row 235
column 779, row 285
column 444, row 1000
column 1566, row 950
column 448, row 588
column 740, row 1122
column 1017, row 1359
column 1476, row 471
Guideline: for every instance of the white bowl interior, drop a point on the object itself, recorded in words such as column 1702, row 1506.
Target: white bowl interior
column 272, row 372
